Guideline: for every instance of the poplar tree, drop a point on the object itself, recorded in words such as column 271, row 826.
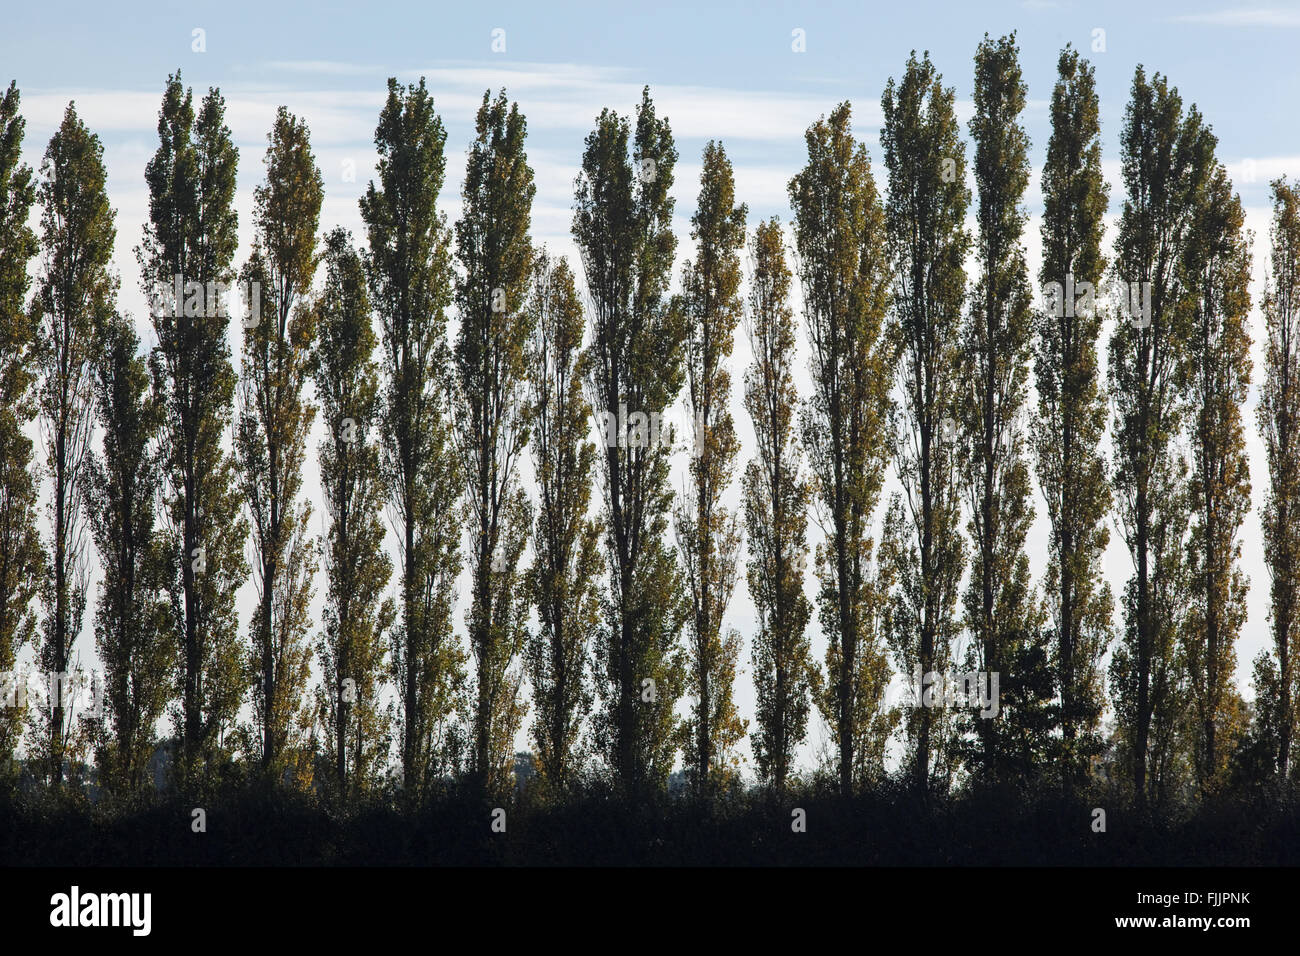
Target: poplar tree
column 492, row 421
column 1071, row 419
column 839, row 231
column 563, row 580
column 776, row 497
column 1279, row 424
column 927, row 244
column 622, row 225
column 409, row 272
column 708, row 532
column 1218, row 371
column 132, row 620
column 1165, row 154
column 271, row 440
column 21, row 560
column 358, row 614
column 1002, row 614
column 75, row 292
column 190, row 238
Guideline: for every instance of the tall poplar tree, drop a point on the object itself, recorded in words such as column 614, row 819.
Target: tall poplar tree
column 708, row 532
column 622, row 225
column 1002, row 613
column 271, row 439
column 1279, row 425
column 492, row 421
column 20, row 547
column 840, row 243
column 1165, row 154
column 409, row 271
column 563, row 580
column 132, row 620
column 190, row 238
column 927, row 242
column 1071, row 419
column 1218, row 371
column 75, row 293
column 358, row 614
column 776, row 497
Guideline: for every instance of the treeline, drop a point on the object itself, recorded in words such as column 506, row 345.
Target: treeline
column 597, row 585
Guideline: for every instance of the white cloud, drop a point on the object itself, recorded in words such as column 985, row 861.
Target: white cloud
column 568, row 96
column 1262, row 169
column 326, row 67
column 1256, row 17
column 553, row 97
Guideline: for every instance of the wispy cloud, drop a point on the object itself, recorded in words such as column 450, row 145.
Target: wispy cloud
column 1262, row 170
column 1245, row 17
column 335, row 116
column 324, row 67
column 552, row 96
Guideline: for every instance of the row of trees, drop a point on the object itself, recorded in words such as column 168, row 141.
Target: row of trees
column 914, row 366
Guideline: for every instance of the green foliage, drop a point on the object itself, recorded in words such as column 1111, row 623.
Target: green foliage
column 274, row 419
column 358, row 616
column 1253, row 762
column 1166, row 155
column 133, row 618
column 191, row 234
column 1071, row 419
column 839, row 229
column 927, row 243
column 1002, row 612
column 622, row 224
column 708, row 532
column 908, row 365
column 75, row 294
column 1279, row 424
column 408, row 268
column 492, row 421
column 21, row 560
column 566, row 542
column 776, row 497
column 1217, row 373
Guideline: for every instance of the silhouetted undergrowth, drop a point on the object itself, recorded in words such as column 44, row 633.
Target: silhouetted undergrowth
column 886, row 825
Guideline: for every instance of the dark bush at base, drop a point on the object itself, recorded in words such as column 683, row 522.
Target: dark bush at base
column 885, row 826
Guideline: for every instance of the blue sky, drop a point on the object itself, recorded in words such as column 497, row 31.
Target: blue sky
column 725, row 71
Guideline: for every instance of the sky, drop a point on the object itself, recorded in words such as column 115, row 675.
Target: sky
column 753, row 76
